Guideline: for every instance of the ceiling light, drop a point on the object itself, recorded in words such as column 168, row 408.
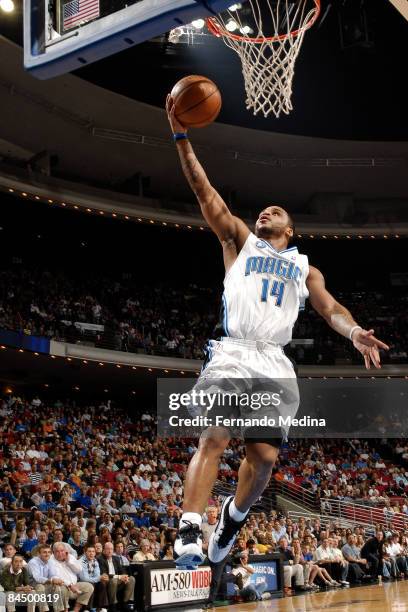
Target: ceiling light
column 246, row 30
column 198, row 24
column 231, row 25
column 7, row 6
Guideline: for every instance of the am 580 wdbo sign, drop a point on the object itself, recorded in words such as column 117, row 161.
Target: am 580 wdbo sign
column 169, row 586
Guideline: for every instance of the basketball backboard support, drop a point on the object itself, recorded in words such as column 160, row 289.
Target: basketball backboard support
column 62, row 35
column 401, row 6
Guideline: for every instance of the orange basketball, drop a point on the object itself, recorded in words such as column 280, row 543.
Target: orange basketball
column 197, row 101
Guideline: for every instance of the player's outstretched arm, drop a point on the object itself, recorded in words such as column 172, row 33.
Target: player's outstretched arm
column 341, row 320
column 215, row 211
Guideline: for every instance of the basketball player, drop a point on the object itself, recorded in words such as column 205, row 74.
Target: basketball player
column 259, row 311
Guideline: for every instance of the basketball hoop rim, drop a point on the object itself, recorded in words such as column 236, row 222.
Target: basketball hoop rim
column 218, row 30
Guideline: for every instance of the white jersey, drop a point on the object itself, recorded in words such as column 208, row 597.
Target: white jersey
column 263, row 292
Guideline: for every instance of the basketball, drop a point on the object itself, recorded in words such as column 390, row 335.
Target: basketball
column 197, row 101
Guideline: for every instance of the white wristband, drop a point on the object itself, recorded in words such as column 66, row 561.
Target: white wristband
column 352, row 330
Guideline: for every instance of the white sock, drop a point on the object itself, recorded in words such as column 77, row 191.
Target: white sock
column 192, row 517
column 236, row 514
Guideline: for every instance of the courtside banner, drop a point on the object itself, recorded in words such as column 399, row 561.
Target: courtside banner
column 170, row 586
column 279, row 408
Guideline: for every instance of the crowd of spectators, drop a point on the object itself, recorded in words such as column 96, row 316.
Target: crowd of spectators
column 346, row 470
column 317, row 556
column 107, row 312
column 121, row 314
column 87, row 492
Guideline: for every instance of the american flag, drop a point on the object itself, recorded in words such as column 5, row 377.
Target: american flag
column 76, row 11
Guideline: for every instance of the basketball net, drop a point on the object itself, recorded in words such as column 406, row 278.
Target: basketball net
column 268, row 62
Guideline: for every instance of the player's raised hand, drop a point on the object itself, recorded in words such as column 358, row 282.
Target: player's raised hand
column 369, row 346
column 175, row 124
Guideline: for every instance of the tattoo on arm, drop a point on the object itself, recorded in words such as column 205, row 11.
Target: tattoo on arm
column 193, row 170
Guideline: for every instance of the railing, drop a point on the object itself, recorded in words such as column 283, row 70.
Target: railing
column 295, row 493
column 267, row 501
column 361, row 514
column 325, row 521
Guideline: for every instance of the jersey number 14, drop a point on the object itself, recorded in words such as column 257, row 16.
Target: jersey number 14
column 276, row 290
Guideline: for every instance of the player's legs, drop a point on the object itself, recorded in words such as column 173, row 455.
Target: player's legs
column 253, row 476
column 203, row 470
column 200, row 478
column 254, row 473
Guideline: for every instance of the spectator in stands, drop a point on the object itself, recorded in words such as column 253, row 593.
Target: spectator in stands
column 394, row 551
column 91, row 573
column 29, row 542
column 372, row 552
column 67, row 568
column 278, row 531
column 120, row 585
column 167, row 553
column 76, row 541
column 248, row 590
column 58, row 536
column 15, row 578
column 323, row 557
column 358, row 566
column 42, row 539
column 8, row 553
column 291, row 569
column 40, row 570
column 298, row 558
column 18, row 535
column 209, row 525
column 144, row 554
column 315, row 571
column 119, row 549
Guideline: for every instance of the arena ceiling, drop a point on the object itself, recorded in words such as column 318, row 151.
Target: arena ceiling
column 348, row 84
column 99, row 137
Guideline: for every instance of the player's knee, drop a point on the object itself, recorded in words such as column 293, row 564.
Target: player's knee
column 213, row 445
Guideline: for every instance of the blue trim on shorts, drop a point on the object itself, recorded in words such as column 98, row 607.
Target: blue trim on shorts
column 208, row 351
